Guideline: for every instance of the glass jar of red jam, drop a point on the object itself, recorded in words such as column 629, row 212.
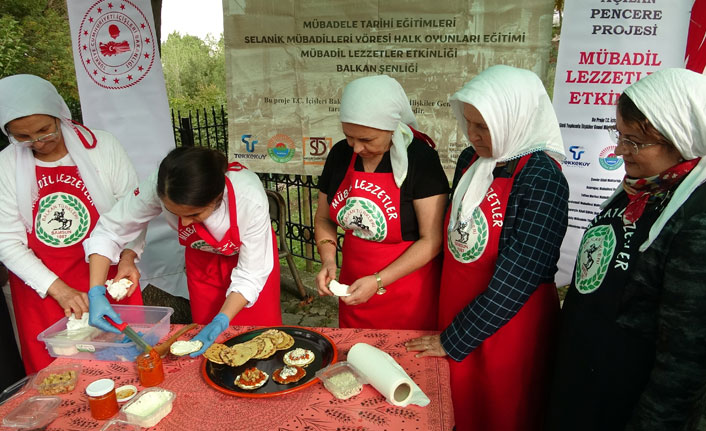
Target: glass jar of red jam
column 102, row 399
column 150, row 369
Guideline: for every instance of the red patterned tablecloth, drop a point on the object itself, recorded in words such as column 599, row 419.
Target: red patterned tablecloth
column 200, row 407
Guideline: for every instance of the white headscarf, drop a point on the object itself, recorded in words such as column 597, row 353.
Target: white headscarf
column 520, row 119
column 381, row 103
column 674, row 101
column 24, row 95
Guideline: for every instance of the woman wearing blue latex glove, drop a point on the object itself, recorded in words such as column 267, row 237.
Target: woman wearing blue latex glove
column 221, row 214
column 57, row 177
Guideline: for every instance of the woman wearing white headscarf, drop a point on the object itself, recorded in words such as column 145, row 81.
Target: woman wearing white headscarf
column 632, row 345
column 498, row 304
column 56, row 177
column 384, row 185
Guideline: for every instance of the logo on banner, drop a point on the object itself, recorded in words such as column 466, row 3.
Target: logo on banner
column 62, row 220
column 468, row 240
column 316, row 149
column 116, row 44
column 281, row 148
column 595, row 253
column 364, row 218
column 249, row 145
column 608, row 160
column 576, row 152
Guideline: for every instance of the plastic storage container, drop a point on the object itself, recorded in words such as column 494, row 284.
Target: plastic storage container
column 342, row 379
column 33, row 413
column 148, row 407
column 16, row 389
column 57, row 379
column 92, row 343
column 118, row 425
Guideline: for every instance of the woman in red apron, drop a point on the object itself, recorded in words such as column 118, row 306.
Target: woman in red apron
column 498, row 304
column 60, row 176
column 220, row 213
column 384, row 185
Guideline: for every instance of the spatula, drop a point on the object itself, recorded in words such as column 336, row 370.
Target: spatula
column 130, row 333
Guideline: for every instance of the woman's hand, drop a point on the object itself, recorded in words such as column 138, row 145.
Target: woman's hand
column 70, row 299
column 128, row 269
column 427, row 345
column 324, row 277
column 361, row 290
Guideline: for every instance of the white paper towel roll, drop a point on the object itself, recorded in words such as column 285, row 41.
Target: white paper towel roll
column 386, row 375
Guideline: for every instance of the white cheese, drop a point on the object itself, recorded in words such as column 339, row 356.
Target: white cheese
column 118, row 290
column 74, row 324
column 149, row 408
column 338, row 289
column 344, row 385
column 181, row 348
column 287, row 371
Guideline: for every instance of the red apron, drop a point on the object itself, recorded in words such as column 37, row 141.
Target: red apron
column 64, row 215
column 502, row 384
column 366, row 206
column 209, row 264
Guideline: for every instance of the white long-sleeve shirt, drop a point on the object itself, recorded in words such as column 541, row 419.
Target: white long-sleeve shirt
column 255, row 262
column 115, row 171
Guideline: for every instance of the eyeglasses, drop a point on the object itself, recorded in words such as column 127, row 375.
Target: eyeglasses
column 44, row 138
column 633, row 147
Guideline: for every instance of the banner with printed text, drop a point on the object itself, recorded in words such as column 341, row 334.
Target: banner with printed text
column 122, row 91
column 606, row 45
column 287, row 62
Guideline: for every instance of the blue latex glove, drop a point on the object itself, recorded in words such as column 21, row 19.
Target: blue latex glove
column 98, row 307
column 210, row 332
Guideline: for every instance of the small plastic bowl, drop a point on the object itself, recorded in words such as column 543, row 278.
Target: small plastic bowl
column 57, row 380
column 33, row 413
column 147, row 419
column 125, row 393
column 342, row 379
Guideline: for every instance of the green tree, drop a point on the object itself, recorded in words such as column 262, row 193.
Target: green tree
column 194, row 71
column 11, row 45
column 35, row 38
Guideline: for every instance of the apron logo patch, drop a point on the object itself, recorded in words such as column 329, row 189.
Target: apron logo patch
column 468, row 241
column 62, row 220
column 202, row 245
column 364, row 218
column 595, row 253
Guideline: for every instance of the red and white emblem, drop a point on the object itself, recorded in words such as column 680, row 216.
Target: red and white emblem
column 116, row 44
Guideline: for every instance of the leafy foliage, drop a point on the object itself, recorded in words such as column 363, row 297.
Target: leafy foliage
column 194, row 71
column 35, row 38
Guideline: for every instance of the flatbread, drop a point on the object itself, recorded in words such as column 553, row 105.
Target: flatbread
column 238, row 354
column 286, row 343
column 258, row 343
column 268, row 350
column 213, row 353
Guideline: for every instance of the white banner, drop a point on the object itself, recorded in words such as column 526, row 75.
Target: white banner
column 288, row 61
column 122, row 90
column 605, row 46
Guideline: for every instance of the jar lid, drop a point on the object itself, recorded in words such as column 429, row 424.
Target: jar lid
column 100, row 387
